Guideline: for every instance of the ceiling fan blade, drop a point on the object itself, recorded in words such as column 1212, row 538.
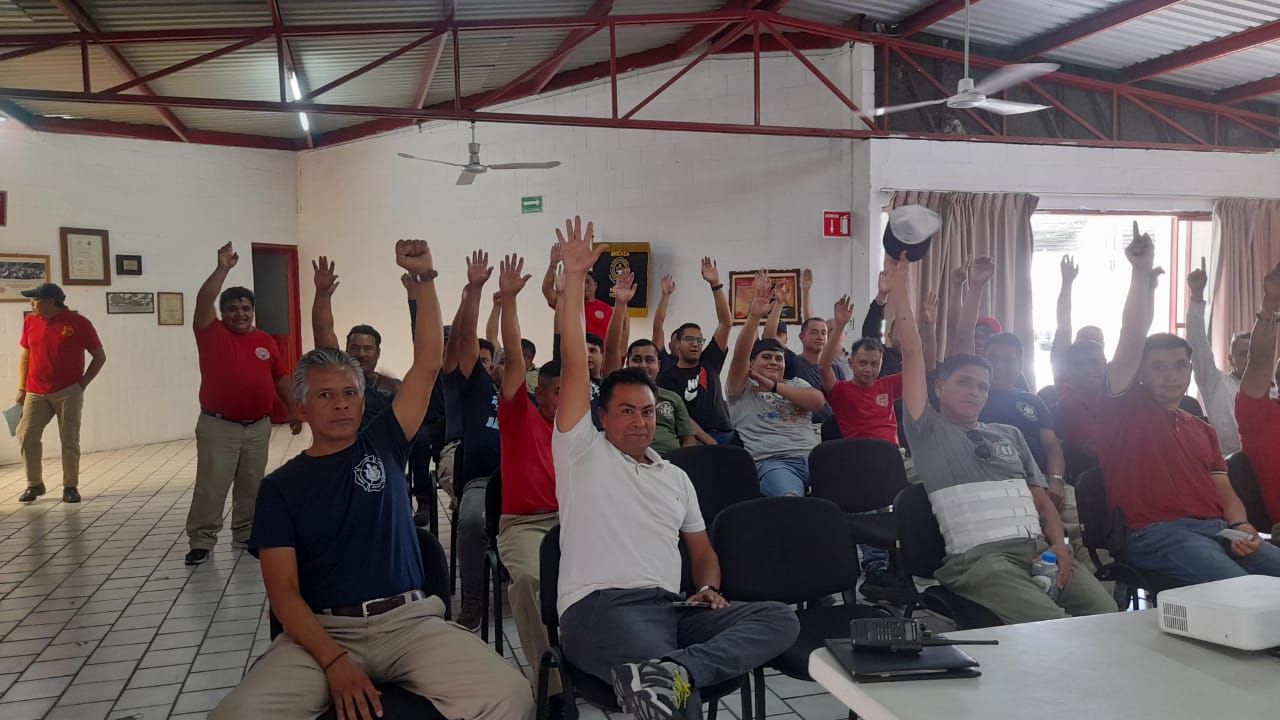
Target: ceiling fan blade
column 1011, row 75
column 1009, row 107
column 525, row 166
column 466, row 178
column 909, row 106
column 407, row 156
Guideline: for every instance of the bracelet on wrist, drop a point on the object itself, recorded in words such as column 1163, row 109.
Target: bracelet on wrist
column 1237, row 524
column 335, row 659
column 717, row 287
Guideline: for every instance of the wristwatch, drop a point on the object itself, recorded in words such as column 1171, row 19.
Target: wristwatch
column 712, row 588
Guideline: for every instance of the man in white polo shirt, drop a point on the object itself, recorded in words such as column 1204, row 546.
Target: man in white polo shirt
column 623, row 510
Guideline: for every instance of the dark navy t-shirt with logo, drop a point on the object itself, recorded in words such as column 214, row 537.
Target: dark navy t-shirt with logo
column 1025, row 411
column 377, row 397
column 347, row 516
column 477, row 401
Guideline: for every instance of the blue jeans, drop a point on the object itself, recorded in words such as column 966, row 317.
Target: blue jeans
column 729, row 437
column 873, row 558
column 1189, row 550
column 784, row 476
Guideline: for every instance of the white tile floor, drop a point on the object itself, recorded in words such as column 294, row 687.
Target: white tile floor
column 99, row 618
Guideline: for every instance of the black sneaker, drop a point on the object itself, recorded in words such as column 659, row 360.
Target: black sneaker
column 469, row 615
column 195, row 557
column 652, row 690
column 887, row 587
column 32, row 492
column 555, row 707
column 70, row 495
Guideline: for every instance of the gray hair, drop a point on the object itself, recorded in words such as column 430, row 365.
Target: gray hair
column 323, row 357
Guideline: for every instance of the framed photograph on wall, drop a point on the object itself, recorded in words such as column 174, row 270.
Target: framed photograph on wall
column 85, row 257
column 169, row 310
column 4, row 208
column 21, row 272
column 131, row 303
column 128, row 265
column 787, row 282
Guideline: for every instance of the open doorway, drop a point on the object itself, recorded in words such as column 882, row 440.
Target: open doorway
column 278, row 311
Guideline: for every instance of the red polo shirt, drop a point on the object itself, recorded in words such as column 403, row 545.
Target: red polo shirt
column 867, row 412
column 57, row 347
column 1076, row 417
column 238, row 372
column 528, row 473
column 1259, row 421
column 1157, row 463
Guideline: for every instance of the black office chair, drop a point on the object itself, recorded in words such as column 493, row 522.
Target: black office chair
column 921, row 551
column 397, row 702
column 831, row 430
column 722, row 475
column 1245, row 483
column 493, row 568
column 806, row 554
column 860, row 475
column 1102, row 527
column 577, row 683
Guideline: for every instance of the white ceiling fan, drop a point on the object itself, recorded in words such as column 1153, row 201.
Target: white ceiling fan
column 474, row 167
column 970, row 95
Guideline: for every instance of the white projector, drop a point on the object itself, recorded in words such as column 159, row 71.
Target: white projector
column 1242, row 612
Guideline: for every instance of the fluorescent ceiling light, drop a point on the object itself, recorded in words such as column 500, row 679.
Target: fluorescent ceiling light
column 306, row 124
column 293, row 85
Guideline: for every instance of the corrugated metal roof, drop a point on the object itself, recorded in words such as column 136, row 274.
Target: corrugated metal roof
column 649, row 7
column 136, row 114
column 1242, row 67
column 1001, row 23
column 311, row 12
column 503, row 9
column 492, row 59
column 631, row 39
column 249, row 74
column 250, row 123
column 32, row 16
column 837, row 12
column 117, row 16
column 59, row 69
column 323, row 60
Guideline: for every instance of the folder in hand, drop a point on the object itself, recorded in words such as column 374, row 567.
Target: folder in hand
column 12, row 416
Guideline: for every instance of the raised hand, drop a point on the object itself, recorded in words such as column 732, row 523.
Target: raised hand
column 624, row 287
column 929, row 309
column 762, row 384
column 981, row 270
column 478, row 268
column 710, row 272
column 668, row 285
column 1069, row 269
column 326, row 281
column 844, row 310
column 883, row 285
column 1141, row 252
column 898, row 276
column 960, row 275
column 227, row 258
column 576, row 252
column 555, row 253
column 414, row 256
column 1271, row 290
column 511, row 277
column 762, row 295
column 806, row 280
column 1197, row 281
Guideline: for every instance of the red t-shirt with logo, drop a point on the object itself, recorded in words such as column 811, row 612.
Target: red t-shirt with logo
column 1157, row 463
column 867, row 412
column 57, row 347
column 1259, row 421
column 238, row 372
column 596, row 317
column 528, row 473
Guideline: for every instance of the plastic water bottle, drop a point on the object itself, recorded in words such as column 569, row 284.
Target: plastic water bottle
column 1044, row 571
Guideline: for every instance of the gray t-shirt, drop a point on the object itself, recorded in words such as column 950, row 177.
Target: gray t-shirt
column 770, row 425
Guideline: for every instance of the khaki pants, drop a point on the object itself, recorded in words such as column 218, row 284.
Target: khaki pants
column 227, row 454
column 412, row 646
column 997, row 575
column 519, row 543
column 445, row 469
column 66, row 405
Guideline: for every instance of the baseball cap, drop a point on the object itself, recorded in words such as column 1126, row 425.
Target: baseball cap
column 910, row 230
column 47, row 291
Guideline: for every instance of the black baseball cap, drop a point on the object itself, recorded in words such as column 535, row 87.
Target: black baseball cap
column 47, row 291
column 910, row 230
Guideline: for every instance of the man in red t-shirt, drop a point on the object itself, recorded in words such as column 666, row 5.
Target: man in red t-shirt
column 241, row 375
column 1162, row 466
column 1257, row 413
column 529, row 507
column 863, row 406
column 51, row 382
column 596, row 313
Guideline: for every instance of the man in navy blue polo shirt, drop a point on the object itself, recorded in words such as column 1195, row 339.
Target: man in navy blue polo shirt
column 340, row 556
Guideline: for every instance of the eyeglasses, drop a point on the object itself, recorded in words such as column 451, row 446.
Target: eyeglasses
column 693, row 340
column 981, row 449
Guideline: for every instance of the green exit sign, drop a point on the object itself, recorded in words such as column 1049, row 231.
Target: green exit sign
column 531, row 204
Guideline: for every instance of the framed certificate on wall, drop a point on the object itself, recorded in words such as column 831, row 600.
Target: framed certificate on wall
column 85, row 257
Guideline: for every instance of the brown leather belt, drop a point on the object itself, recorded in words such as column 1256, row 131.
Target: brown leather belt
column 377, row 606
column 245, row 423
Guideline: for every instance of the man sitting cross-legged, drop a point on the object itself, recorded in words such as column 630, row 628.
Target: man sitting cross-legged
column 340, row 557
column 985, row 488
column 622, row 511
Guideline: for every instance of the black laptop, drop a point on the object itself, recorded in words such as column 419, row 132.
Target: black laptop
column 932, row 663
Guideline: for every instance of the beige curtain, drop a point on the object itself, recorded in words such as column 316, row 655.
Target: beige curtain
column 975, row 225
column 1246, row 234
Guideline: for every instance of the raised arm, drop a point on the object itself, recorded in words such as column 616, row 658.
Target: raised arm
column 929, row 331
column 411, row 401
column 549, row 277
column 511, row 280
column 660, row 314
column 575, row 380
column 616, row 337
column 961, row 341
column 322, row 307
column 491, row 329
column 1062, row 336
column 1258, row 373
column 762, row 302
column 772, row 321
column 205, row 312
column 843, row 314
column 1202, row 363
column 1136, row 319
column 724, row 315
column 873, row 323
column 915, row 391
column 806, row 284
column 463, row 349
